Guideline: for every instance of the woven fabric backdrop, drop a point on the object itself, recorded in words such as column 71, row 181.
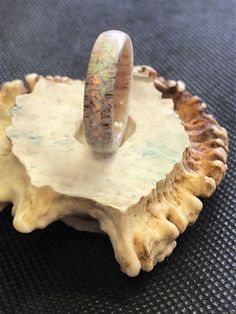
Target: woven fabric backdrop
column 59, row 270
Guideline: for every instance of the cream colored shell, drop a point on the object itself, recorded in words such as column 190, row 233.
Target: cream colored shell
column 145, row 232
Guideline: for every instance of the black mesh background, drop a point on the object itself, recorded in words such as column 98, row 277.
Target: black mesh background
column 58, row 270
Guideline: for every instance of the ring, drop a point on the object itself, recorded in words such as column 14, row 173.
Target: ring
column 107, row 89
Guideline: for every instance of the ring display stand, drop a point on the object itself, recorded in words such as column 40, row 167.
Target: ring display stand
column 143, row 196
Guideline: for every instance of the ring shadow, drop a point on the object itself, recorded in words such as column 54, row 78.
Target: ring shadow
column 129, row 131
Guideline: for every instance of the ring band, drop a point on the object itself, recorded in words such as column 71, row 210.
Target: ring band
column 107, row 89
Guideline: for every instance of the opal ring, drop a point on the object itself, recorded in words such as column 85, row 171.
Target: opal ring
column 107, row 89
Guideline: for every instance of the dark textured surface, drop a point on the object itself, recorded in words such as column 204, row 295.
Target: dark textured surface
column 58, row 270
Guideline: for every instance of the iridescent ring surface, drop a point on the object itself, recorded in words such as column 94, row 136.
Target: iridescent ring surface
column 107, row 89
